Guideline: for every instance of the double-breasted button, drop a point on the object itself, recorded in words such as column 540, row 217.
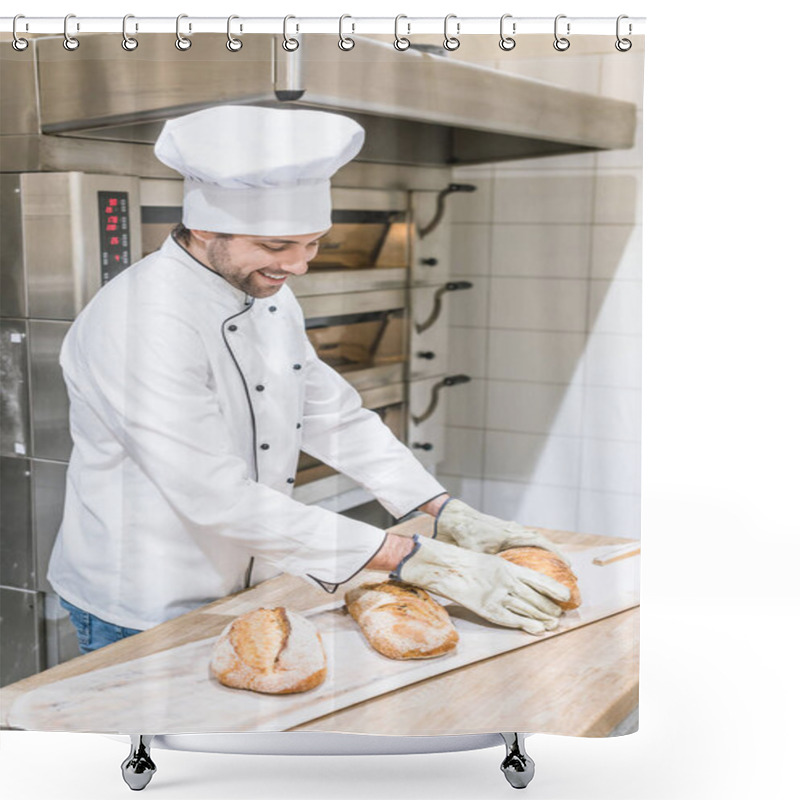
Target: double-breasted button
column 260, row 387
column 265, row 446
column 233, row 328
column 290, row 480
column 296, row 366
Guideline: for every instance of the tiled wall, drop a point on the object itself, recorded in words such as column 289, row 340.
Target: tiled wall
column 548, row 431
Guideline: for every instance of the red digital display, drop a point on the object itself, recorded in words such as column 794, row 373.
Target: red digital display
column 115, row 251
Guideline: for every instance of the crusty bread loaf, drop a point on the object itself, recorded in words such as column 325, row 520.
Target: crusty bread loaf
column 270, row 650
column 401, row 620
column 549, row 564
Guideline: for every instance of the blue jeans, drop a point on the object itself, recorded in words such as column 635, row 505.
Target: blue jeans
column 94, row 632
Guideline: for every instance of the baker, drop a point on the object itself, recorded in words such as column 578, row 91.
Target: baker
column 193, row 388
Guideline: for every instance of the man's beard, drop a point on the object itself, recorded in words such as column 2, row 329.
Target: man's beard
column 218, row 255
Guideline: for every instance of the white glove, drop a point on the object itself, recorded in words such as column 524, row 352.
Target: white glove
column 458, row 523
column 492, row 587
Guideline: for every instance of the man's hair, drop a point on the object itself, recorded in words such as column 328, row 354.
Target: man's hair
column 184, row 235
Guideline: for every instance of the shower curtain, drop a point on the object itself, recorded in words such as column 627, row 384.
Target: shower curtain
column 354, row 395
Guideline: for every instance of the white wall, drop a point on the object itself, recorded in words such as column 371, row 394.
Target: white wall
column 548, row 431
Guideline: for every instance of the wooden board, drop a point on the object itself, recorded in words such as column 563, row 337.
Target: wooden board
column 172, row 691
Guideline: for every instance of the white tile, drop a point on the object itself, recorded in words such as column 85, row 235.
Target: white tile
column 529, row 504
column 553, row 198
column 614, row 360
column 622, row 76
column 611, row 466
column 618, row 197
column 522, row 407
column 470, row 490
column 467, row 351
column 613, row 413
column 468, row 307
column 470, row 248
column 465, row 404
column 541, row 251
column 528, row 458
column 606, row 514
column 472, row 206
column 544, row 304
column 617, row 252
column 615, row 307
column 630, row 158
column 463, row 452
column 536, row 356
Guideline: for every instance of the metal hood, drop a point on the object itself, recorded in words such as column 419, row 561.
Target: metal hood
column 418, row 108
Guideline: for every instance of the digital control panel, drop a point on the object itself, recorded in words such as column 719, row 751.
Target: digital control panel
column 115, row 248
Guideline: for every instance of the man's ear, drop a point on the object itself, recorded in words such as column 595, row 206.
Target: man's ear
column 203, row 236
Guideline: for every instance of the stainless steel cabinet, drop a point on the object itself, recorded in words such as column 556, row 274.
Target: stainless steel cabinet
column 22, row 650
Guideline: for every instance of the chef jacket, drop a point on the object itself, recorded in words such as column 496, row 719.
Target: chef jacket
column 189, row 404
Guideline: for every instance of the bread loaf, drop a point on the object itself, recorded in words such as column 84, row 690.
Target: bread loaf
column 549, row 564
column 401, row 621
column 271, row 650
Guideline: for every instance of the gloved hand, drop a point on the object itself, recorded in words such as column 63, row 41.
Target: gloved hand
column 458, row 523
column 492, row 587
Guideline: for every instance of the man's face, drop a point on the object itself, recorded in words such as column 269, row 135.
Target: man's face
column 258, row 265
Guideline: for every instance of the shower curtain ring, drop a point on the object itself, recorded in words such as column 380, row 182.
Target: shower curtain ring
column 400, row 42
column 128, row 42
column 233, row 44
column 290, row 44
column 18, row 43
column 560, row 43
column 506, row 42
column 345, row 42
column 623, row 45
column 70, row 42
column 181, row 42
column 451, row 42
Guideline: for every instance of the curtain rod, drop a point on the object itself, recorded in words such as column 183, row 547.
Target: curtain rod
column 348, row 25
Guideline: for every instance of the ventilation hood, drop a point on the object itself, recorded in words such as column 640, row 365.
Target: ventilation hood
column 418, row 107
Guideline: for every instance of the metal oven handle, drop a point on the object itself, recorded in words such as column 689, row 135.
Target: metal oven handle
column 440, row 199
column 450, row 380
column 450, row 286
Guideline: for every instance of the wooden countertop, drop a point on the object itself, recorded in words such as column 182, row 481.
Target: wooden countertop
column 581, row 683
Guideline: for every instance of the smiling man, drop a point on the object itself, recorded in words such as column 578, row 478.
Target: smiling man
column 257, row 265
column 193, row 388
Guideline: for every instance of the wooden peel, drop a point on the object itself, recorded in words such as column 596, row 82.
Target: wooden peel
column 618, row 553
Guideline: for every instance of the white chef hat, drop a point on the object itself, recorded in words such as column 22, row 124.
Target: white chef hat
column 258, row 171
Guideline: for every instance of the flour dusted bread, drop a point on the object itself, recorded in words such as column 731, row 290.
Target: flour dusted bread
column 271, row 650
column 401, row 620
column 548, row 564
